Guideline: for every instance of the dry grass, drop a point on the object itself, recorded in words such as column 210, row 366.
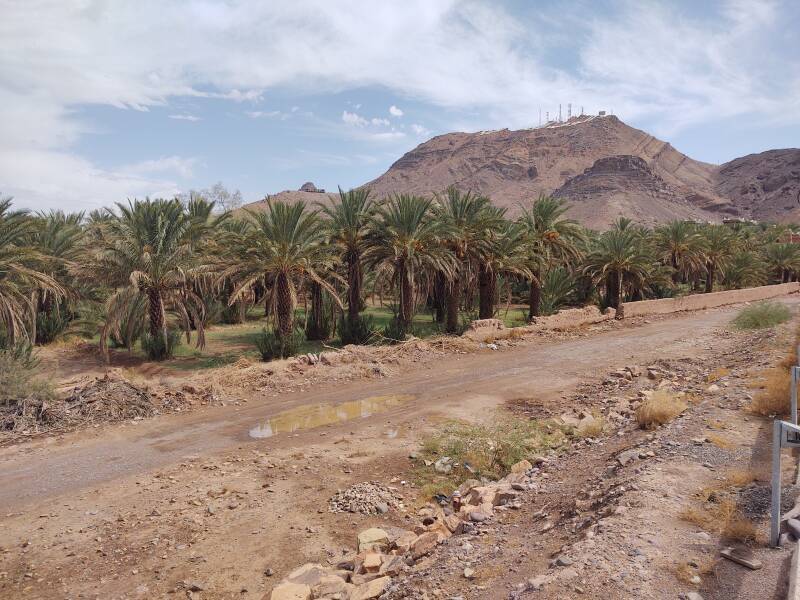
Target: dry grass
column 724, row 518
column 720, row 441
column 772, row 398
column 740, row 477
column 661, row 407
column 717, row 374
column 515, row 334
column 593, row 429
column 687, row 570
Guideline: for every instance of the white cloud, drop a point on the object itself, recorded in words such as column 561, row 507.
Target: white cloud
column 379, row 122
column 645, row 60
column 395, row 112
column 420, row 130
column 166, row 164
column 184, row 117
column 354, row 119
column 268, row 114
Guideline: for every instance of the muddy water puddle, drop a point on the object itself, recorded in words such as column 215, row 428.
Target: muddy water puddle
column 317, row 415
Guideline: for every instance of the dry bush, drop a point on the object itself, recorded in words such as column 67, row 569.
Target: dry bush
column 721, row 516
column 688, row 569
column 661, row 407
column 718, row 374
column 516, row 334
column 594, row 428
column 762, row 315
column 740, row 477
column 772, row 398
column 720, row 441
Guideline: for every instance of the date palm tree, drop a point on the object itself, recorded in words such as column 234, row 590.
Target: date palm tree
column 719, row 245
column 467, row 229
column 552, row 238
column 680, row 247
column 507, row 257
column 783, row 259
column 282, row 248
column 405, row 245
column 619, row 255
column 348, row 224
column 21, row 273
column 147, row 253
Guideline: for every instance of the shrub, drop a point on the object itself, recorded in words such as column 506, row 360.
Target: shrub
column 18, row 382
column 272, row 345
column 358, row 331
column 395, row 331
column 154, row 347
column 661, row 407
column 772, row 399
column 762, row 315
column 50, row 325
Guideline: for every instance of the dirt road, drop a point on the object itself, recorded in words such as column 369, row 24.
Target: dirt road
column 459, row 385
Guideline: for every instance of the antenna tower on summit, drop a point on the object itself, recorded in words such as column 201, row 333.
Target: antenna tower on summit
column 559, row 113
column 569, row 111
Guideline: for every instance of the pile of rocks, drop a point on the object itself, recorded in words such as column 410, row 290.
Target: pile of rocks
column 383, row 553
column 368, row 498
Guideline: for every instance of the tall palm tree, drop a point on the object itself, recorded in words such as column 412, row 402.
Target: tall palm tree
column 467, row 229
column 348, row 223
column 718, row 247
column 406, row 244
column 552, row 238
column 618, row 255
column 282, row 248
column 745, row 269
column 21, row 273
column 507, row 257
column 680, row 247
column 783, row 259
column 147, row 252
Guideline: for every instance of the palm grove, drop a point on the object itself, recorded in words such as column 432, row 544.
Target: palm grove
column 148, row 273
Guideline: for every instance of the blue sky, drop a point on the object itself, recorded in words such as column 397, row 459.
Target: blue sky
column 108, row 100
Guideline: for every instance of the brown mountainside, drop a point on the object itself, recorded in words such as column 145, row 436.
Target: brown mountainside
column 603, row 167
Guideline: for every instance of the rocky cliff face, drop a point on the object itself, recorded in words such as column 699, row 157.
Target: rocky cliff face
column 763, row 186
column 625, row 186
column 516, row 166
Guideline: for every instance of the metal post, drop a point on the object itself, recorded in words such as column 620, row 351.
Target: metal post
column 775, row 523
column 795, row 376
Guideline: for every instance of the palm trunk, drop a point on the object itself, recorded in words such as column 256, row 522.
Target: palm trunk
column 158, row 324
column 284, row 307
column 315, row 327
column 487, row 283
column 354, row 279
column 440, row 296
column 710, row 271
column 535, row 296
column 406, row 295
column 675, row 273
column 453, row 299
column 619, row 306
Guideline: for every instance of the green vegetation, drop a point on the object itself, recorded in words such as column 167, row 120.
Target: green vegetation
column 145, row 274
column 484, row 450
column 762, row 315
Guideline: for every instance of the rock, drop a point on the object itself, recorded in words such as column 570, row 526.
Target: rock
column 469, row 573
column 291, row 591
column 623, row 458
column 309, row 574
column 794, row 527
column 333, row 586
column 373, row 538
column 713, row 388
column 563, row 561
column 393, row 565
column 478, row 516
column 742, row 556
column 537, row 583
column 443, row 465
column 371, row 589
column 372, row 562
column 693, row 596
column 454, row 524
column 404, row 541
column 522, row 466
column 467, row 486
column 424, row 544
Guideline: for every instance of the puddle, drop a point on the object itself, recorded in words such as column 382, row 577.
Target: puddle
column 317, row 415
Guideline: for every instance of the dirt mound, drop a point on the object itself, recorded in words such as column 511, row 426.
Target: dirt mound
column 367, row 498
column 106, row 399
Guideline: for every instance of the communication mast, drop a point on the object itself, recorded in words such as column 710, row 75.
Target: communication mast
column 559, row 112
column 569, row 111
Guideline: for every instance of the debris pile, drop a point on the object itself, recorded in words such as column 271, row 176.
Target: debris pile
column 367, row 498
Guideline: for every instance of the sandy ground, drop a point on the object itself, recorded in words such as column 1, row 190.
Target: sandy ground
column 193, row 502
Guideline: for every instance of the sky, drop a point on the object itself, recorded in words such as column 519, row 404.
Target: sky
column 107, row 100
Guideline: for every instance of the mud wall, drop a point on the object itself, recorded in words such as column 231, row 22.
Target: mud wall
column 703, row 301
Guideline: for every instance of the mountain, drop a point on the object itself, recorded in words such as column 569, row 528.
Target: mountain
column 603, row 167
column 765, row 186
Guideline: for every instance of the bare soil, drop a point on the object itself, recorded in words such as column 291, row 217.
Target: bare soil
column 189, row 503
